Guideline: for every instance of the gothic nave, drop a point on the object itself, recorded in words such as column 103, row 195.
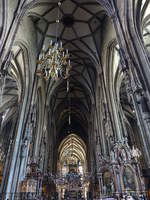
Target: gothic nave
column 74, row 99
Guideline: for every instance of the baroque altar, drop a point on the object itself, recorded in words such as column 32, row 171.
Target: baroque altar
column 119, row 174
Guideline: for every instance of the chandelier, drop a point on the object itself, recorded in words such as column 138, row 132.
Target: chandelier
column 54, row 62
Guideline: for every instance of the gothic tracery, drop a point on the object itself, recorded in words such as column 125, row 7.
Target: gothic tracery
column 87, row 136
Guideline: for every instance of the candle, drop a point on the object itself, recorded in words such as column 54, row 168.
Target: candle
column 61, row 44
column 43, row 47
column 67, row 85
column 69, row 119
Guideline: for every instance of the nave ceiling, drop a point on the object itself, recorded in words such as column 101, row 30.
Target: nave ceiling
column 80, row 30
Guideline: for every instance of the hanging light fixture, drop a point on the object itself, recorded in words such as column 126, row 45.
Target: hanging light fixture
column 54, row 62
column 69, row 106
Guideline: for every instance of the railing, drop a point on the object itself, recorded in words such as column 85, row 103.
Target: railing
column 19, row 196
column 25, row 196
column 34, row 196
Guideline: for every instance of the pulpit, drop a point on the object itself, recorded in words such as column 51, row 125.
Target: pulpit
column 31, row 185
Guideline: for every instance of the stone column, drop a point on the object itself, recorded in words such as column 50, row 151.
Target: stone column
column 24, row 155
column 129, row 39
column 136, row 95
column 39, row 129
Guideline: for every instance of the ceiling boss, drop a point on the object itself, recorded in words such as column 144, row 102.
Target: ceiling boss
column 55, row 61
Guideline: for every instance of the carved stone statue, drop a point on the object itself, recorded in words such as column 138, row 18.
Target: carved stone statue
column 123, row 155
column 112, row 187
column 112, row 156
column 23, row 147
column 28, row 170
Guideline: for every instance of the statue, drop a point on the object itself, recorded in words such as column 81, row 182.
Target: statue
column 28, row 170
column 100, row 158
column 112, row 156
column 104, row 189
column 123, row 155
column 23, row 147
column 112, row 187
column 136, row 153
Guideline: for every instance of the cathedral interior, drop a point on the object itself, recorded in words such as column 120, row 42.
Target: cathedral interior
column 74, row 99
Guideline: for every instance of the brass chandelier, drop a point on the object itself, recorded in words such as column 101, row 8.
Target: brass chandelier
column 54, row 62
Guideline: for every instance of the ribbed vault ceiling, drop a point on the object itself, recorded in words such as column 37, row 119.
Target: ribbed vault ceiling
column 72, row 146
column 14, row 85
column 80, row 30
